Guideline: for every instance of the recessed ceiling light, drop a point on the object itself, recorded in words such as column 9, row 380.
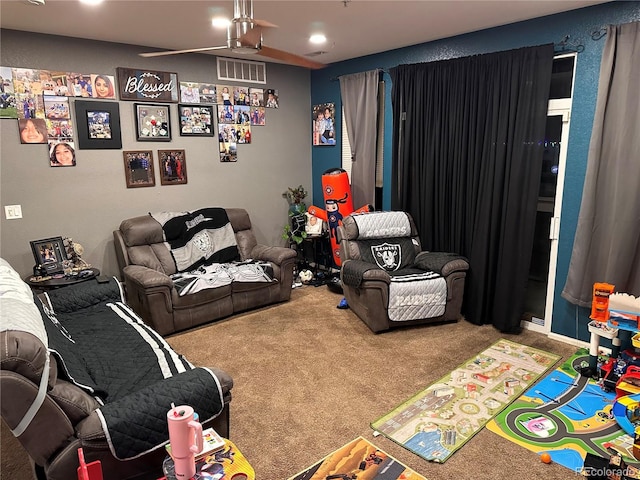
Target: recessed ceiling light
column 317, row 38
column 220, row 22
column 91, row 2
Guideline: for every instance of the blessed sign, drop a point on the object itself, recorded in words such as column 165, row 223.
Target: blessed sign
column 147, row 85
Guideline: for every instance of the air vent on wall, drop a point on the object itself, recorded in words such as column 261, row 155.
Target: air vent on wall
column 241, row 70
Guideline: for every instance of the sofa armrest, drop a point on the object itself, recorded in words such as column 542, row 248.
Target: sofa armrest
column 354, row 272
column 441, row 262
column 277, row 255
column 147, row 277
column 137, row 423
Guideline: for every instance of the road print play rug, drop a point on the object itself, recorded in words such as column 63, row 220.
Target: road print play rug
column 565, row 415
column 358, row 459
column 440, row 419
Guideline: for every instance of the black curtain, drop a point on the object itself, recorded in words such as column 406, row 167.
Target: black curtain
column 468, row 143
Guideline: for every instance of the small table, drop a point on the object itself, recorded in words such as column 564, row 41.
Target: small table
column 63, row 281
column 314, row 252
column 228, row 462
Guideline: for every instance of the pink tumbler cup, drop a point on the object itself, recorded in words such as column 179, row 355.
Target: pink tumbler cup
column 185, row 436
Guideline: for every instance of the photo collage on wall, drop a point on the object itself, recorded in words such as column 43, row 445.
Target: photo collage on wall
column 39, row 100
column 239, row 108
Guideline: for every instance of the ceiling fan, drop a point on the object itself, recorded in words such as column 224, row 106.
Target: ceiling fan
column 244, row 36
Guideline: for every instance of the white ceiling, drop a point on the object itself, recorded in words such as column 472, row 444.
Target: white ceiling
column 354, row 28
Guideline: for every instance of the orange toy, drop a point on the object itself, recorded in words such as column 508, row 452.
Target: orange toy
column 338, row 204
column 600, row 302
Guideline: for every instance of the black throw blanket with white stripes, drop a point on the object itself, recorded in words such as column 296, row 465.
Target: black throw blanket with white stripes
column 103, row 347
column 201, row 237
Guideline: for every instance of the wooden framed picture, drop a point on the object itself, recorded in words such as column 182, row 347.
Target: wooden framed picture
column 98, row 125
column 50, row 253
column 138, row 168
column 153, row 122
column 173, row 167
column 196, row 120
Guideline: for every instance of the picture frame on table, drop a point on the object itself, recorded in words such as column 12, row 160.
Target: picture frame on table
column 98, row 125
column 196, row 120
column 138, row 167
column 153, row 122
column 173, row 167
column 50, row 254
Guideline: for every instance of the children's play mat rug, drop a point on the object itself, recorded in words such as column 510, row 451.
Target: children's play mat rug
column 442, row 418
column 565, row 415
column 358, row 459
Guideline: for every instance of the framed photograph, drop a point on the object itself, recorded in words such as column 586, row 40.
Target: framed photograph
column 314, row 225
column 98, row 125
column 173, row 167
column 323, row 133
column 196, row 120
column 50, row 253
column 138, row 168
column 153, row 122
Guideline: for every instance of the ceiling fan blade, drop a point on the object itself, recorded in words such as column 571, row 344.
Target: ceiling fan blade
column 289, row 58
column 264, row 23
column 252, row 37
column 176, row 52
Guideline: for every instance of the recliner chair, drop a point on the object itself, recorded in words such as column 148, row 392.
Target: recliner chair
column 389, row 281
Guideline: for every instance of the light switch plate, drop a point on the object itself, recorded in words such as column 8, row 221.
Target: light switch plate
column 12, row 212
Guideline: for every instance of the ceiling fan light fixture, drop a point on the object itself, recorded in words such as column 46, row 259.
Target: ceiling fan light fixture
column 317, row 38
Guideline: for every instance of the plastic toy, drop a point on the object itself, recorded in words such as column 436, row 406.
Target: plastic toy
column 338, row 204
column 545, row 458
column 600, row 301
column 88, row 471
column 624, row 311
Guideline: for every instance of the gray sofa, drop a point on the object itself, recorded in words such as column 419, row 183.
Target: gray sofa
column 146, row 264
column 46, row 342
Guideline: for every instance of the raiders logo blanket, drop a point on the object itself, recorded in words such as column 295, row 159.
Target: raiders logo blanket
column 104, row 348
column 201, row 237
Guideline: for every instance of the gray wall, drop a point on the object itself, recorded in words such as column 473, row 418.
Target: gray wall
column 88, row 202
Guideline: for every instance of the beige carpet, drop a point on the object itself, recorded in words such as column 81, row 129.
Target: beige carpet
column 310, row 377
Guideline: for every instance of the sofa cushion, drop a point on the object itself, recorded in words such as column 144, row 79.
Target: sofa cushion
column 203, row 297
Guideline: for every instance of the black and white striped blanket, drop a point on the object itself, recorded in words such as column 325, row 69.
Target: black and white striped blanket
column 220, row 274
column 200, row 237
column 103, row 347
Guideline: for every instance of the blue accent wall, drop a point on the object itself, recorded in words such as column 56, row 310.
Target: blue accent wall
column 568, row 319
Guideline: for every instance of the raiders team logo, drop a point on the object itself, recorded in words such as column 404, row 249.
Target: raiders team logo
column 387, row 256
column 202, row 241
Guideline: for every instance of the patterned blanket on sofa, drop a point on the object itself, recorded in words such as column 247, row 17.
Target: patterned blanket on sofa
column 200, row 237
column 220, row 274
